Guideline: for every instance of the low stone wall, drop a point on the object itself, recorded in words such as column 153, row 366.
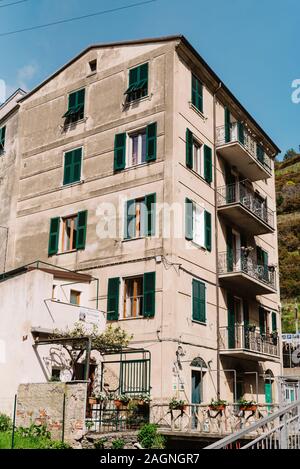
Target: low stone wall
column 130, row 439
column 42, row 403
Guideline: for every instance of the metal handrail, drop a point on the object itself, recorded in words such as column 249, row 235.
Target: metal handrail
column 262, row 424
column 241, row 261
column 248, row 143
column 240, row 193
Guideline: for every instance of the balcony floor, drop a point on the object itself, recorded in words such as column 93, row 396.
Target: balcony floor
column 239, row 215
column 236, row 155
column 244, row 284
column 249, row 355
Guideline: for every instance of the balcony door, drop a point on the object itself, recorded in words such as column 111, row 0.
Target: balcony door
column 233, row 241
column 235, row 322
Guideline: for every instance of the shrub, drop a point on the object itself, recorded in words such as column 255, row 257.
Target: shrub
column 149, row 438
column 99, row 444
column 119, row 443
column 5, row 423
column 34, row 431
column 53, row 444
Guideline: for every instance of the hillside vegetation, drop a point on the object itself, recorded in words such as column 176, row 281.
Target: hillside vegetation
column 288, row 211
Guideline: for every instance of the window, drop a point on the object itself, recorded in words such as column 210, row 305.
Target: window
column 72, row 166
column 140, row 217
column 139, row 297
column 197, row 225
column 75, row 297
column 133, row 297
column 2, row 139
column 141, row 147
column 75, row 110
column 198, row 301
column 262, row 264
column 197, row 93
column 67, row 234
column 198, row 157
column 137, row 148
column 138, row 83
column 93, row 66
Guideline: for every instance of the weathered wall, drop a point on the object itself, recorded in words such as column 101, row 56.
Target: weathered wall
column 43, row 403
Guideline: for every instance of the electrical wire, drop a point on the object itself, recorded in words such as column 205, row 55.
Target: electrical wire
column 77, row 18
column 13, row 3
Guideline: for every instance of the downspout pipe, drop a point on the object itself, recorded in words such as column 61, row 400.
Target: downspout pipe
column 216, row 239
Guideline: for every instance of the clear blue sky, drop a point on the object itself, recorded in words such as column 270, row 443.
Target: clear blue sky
column 251, row 45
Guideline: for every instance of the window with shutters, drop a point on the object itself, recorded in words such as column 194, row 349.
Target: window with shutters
column 198, row 157
column 137, row 148
column 67, row 234
column 133, row 297
column 198, row 301
column 198, row 225
column 140, row 217
column 72, row 166
column 197, row 93
column 75, row 110
column 2, row 139
column 138, row 83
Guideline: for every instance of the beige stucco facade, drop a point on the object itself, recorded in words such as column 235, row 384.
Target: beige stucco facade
column 41, row 195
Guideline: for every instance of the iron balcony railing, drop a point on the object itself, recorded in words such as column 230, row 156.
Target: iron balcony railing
column 240, row 193
column 242, row 261
column 237, row 133
column 239, row 336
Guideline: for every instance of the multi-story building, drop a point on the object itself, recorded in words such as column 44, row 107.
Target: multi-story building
column 139, row 167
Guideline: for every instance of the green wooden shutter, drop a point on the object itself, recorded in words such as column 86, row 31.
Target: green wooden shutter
column 113, row 299
column 262, row 327
column 149, row 295
column 2, row 138
column 129, row 222
column 120, row 152
column 231, row 321
column 274, row 322
column 198, row 301
column 72, row 101
column 207, row 224
column 241, row 135
column 189, row 148
column 260, row 153
column 197, row 93
column 207, row 164
column 227, row 125
column 189, row 219
column 151, row 138
column 77, row 162
column 229, row 243
column 81, row 229
column 68, row 167
column 143, row 78
column 53, row 236
column 149, row 215
column 246, row 324
column 266, row 265
column 133, row 77
column 72, row 166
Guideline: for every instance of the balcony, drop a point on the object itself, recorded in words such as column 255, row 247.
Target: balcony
column 239, row 149
column 241, row 272
column 240, row 342
column 242, row 207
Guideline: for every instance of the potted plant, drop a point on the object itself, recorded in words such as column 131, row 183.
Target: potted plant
column 177, row 404
column 274, row 337
column 247, row 405
column 251, row 327
column 100, row 396
column 143, row 399
column 218, row 404
column 121, row 400
column 92, row 400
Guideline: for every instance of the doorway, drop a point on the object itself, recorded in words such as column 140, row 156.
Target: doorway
column 196, row 397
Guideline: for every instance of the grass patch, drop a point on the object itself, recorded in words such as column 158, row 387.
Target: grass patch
column 29, row 442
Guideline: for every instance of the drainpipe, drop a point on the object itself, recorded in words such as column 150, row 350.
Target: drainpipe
column 216, row 239
column 6, row 245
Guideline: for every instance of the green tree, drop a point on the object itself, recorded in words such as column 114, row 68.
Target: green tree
column 289, row 154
